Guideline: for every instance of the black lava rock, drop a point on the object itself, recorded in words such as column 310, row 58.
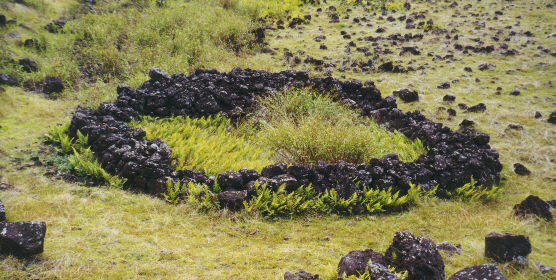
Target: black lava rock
column 22, row 239
column 249, row 175
column 479, row 272
column 2, row 20
column 356, row 262
column 407, row 95
column 274, row 170
column 444, row 85
column 552, row 118
column 418, row 255
column 232, row 199
column 158, row 75
column 481, row 107
column 7, row 79
column 507, row 247
column 380, row 272
column 448, row 98
column 533, row 205
column 449, row 249
column 52, row 85
column 2, row 212
column 515, row 92
column 230, row 180
column 28, row 64
column 56, row 25
column 520, row 169
column 300, row 275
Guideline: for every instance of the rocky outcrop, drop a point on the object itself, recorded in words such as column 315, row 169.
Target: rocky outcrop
column 356, row 262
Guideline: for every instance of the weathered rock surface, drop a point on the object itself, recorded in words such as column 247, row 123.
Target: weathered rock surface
column 300, row 275
column 52, row 85
column 22, row 239
column 28, row 64
column 407, row 95
column 418, row 255
column 479, row 272
column 232, row 199
column 533, row 205
column 520, row 169
column 356, row 262
column 2, row 212
column 7, row 79
column 507, row 247
column 380, row 272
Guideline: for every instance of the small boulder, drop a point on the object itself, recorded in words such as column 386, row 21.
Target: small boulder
column 444, row 85
column 533, row 205
column 466, row 123
column 52, row 85
column 7, row 79
column 481, row 107
column 2, row 20
column 274, row 170
column 230, row 180
column 356, row 262
column 249, row 175
column 449, row 249
column 22, row 239
column 448, row 98
column 28, row 64
column 56, row 25
column 479, row 272
column 418, row 255
column 552, row 118
column 300, row 275
column 232, row 200
column 507, row 247
column 407, row 95
column 520, row 169
column 157, row 74
column 515, row 92
column 380, row 272
column 2, row 212
column 288, row 181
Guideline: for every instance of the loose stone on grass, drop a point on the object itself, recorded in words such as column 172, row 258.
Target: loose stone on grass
column 479, row 272
column 533, row 205
column 507, row 247
column 22, row 239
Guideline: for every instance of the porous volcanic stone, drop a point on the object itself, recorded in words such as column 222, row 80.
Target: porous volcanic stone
column 407, row 95
column 232, row 199
column 533, row 205
column 356, row 262
column 552, row 118
column 380, row 272
column 300, row 275
column 418, row 255
column 507, row 247
column 479, row 272
column 22, row 239
column 2, row 212
column 56, row 25
column 520, row 169
column 28, row 64
column 274, row 170
column 230, row 180
column 7, row 79
column 52, row 85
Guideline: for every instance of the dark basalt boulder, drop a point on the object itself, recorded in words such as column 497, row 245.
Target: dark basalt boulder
column 449, row 249
column 274, row 170
column 249, row 175
column 28, row 64
column 2, row 212
column 520, row 169
column 300, row 275
column 552, row 118
column 407, row 95
column 2, row 20
column 507, row 247
column 22, row 239
column 479, row 272
column 533, row 205
column 444, row 85
column 56, row 25
column 380, row 272
column 230, row 180
column 357, row 262
column 418, row 255
column 7, row 79
column 448, row 98
column 158, row 75
column 52, row 85
column 232, row 199
column 481, row 107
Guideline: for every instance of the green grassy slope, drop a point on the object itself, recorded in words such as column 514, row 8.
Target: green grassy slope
column 113, row 234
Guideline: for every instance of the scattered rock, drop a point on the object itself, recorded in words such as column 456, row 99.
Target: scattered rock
column 538, row 115
column 486, row 66
column 380, row 272
column 444, row 85
column 533, row 205
column 230, row 180
column 56, row 25
column 467, row 123
column 520, row 169
column 481, row 107
column 515, row 92
column 2, row 20
column 300, row 275
column 157, row 74
column 418, row 255
column 52, row 85
column 407, row 95
column 22, row 239
column 451, row 112
column 356, row 262
column 232, row 199
column 448, row 98
column 544, row 269
column 449, row 249
column 28, row 64
column 507, row 247
column 2, row 212
column 479, row 272
column 274, row 170
column 7, row 79
column 552, row 118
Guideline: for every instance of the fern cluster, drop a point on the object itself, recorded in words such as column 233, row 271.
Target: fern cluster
column 206, row 144
column 472, row 192
column 196, row 195
column 75, row 155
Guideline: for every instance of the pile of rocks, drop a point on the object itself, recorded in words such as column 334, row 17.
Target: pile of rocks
column 420, row 258
column 453, row 157
column 21, row 239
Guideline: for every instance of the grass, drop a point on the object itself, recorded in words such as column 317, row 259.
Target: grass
column 113, row 234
